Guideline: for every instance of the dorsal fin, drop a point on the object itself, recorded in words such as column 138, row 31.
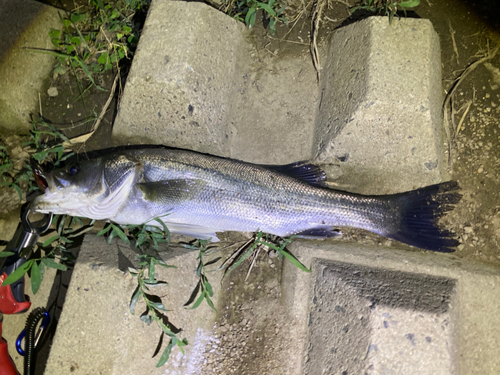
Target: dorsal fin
column 301, row 170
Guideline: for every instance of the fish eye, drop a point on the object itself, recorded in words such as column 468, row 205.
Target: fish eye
column 74, row 169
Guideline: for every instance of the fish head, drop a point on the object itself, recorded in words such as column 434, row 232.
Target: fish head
column 92, row 188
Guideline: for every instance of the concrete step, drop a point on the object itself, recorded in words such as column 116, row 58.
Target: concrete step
column 376, row 311
column 97, row 334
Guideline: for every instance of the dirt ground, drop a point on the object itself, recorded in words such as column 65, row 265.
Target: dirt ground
column 468, row 31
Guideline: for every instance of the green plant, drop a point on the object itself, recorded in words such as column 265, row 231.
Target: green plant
column 96, row 40
column 203, row 288
column 44, row 144
column 55, row 247
column 246, row 11
column 37, row 267
column 268, row 242
column 154, row 307
column 387, row 7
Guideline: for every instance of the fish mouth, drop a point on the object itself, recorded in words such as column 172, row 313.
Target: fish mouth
column 40, row 178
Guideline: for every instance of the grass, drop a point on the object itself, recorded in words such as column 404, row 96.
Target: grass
column 387, row 8
column 97, row 39
column 246, row 11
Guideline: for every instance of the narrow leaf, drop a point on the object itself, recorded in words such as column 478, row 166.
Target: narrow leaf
column 50, row 240
column 409, row 3
column 36, row 278
column 267, row 8
column 210, row 303
column 53, row 264
column 198, row 302
column 104, row 231
column 135, row 298
column 117, row 230
column 294, row 260
column 158, row 306
column 17, row 274
column 166, row 354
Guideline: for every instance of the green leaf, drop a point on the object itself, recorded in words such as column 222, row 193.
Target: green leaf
column 147, row 319
column 75, row 17
column 103, row 59
column 209, row 289
column 17, row 274
column 41, row 267
column 5, row 254
column 158, row 306
column 294, row 260
column 272, row 25
column 36, row 278
column 151, row 273
column 165, row 355
column 409, row 3
column 210, row 303
column 127, row 29
column 249, row 15
column 157, row 283
column 267, row 8
column 198, row 301
column 118, row 231
column 104, row 231
column 135, row 298
column 55, row 34
column 51, row 263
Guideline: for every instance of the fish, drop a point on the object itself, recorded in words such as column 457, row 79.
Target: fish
column 199, row 195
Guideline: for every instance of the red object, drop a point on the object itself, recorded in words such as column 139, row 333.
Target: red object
column 7, row 367
column 8, row 303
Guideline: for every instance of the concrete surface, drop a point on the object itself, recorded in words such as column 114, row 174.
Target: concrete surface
column 97, row 334
column 380, row 311
column 379, row 117
column 25, row 24
column 205, row 86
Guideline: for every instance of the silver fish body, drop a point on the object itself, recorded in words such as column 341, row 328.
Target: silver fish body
column 200, row 195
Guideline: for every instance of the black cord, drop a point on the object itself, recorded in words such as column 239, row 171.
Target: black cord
column 29, row 342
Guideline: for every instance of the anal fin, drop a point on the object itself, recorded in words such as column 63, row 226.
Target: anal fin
column 319, row 233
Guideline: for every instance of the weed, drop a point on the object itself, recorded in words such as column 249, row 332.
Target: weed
column 154, row 307
column 97, row 40
column 203, row 288
column 387, row 7
column 266, row 242
column 43, row 144
column 246, row 11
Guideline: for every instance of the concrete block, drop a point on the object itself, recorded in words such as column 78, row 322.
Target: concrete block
column 25, row 24
column 206, row 86
column 379, row 117
column 375, row 310
column 179, row 88
column 97, row 334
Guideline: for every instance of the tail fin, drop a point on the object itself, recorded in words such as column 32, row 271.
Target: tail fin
column 419, row 211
